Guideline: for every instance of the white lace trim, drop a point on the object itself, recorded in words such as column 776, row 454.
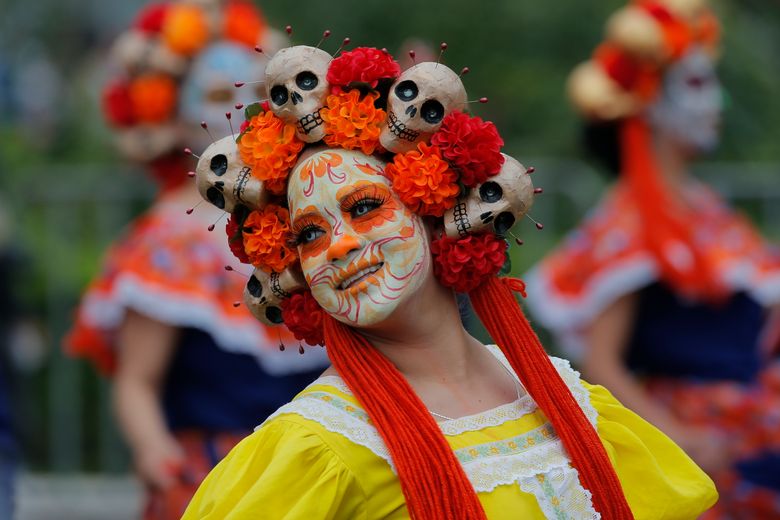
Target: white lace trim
column 562, row 483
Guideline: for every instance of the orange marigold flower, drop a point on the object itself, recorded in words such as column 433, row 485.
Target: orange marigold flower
column 265, row 239
column 270, row 148
column 153, row 97
column 424, row 181
column 185, row 29
column 353, row 123
column 243, row 23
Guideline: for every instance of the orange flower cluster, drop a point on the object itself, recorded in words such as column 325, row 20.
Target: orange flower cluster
column 424, row 181
column 353, row 123
column 153, row 97
column 243, row 23
column 185, row 29
column 270, row 148
column 265, row 239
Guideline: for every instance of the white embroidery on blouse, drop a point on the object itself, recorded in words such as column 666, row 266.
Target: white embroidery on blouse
column 534, row 460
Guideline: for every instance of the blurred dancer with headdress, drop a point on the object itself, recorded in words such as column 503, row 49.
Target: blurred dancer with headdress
column 193, row 372
column 669, row 296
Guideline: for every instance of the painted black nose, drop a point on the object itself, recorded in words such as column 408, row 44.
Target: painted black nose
column 296, row 98
column 411, row 111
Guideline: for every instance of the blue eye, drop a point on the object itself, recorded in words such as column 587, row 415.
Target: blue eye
column 364, row 207
column 310, row 234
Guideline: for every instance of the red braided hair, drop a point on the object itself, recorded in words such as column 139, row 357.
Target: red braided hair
column 433, row 481
column 501, row 315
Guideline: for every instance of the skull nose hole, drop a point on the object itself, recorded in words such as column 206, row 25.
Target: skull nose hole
column 279, row 95
column 306, row 80
column 406, row 90
column 274, row 314
column 411, row 111
column 503, row 222
column 296, row 98
column 254, row 287
column 432, row 111
column 215, row 197
column 490, row 192
column 219, row 165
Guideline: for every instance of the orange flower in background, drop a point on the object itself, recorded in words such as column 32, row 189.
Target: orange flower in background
column 265, row 239
column 353, row 123
column 153, row 97
column 424, row 181
column 186, row 29
column 270, row 148
column 243, row 23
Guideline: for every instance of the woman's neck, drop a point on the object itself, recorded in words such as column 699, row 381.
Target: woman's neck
column 672, row 163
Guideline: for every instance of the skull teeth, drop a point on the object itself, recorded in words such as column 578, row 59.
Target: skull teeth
column 461, row 219
column 309, row 122
column 240, row 185
column 276, row 287
column 400, row 130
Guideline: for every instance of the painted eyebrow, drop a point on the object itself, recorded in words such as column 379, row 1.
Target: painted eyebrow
column 364, row 187
column 308, row 214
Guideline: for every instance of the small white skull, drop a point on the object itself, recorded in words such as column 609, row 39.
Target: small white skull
column 138, row 51
column 225, row 181
column 418, row 102
column 264, row 292
column 297, row 87
column 497, row 203
column 146, row 142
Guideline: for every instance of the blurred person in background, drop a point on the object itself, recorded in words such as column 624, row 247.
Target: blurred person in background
column 668, row 296
column 193, row 371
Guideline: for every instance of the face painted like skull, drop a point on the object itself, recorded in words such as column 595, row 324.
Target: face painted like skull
column 497, row 203
column 419, row 100
column 225, row 181
column 296, row 82
column 264, row 293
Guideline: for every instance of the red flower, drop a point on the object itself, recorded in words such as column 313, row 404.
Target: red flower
column 150, row 19
column 236, row 239
column 303, row 316
column 465, row 263
column 117, row 105
column 362, row 65
column 471, row 145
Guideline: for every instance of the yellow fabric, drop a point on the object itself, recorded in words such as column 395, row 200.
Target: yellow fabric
column 294, row 467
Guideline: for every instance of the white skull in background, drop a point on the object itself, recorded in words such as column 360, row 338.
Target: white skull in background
column 690, row 104
column 136, row 50
column 418, row 102
column 225, row 180
column 295, row 79
column 209, row 91
column 498, row 202
column 264, row 292
column 146, row 142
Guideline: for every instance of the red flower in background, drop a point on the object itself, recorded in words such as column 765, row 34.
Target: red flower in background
column 117, row 104
column 465, row 263
column 151, row 18
column 236, row 239
column 303, row 316
column 362, row 65
column 471, row 145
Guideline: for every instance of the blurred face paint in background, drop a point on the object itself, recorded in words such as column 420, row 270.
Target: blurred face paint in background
column 209, row 91
column 690, row 105
column 362, row 251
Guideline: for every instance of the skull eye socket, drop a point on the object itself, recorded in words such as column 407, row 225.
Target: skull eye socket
column 306, row 80
column 215, row 197
column 503, row 222
column 406, row 90
column 219, row 165
column 279, row 95
column 254, row 287
column 274, row 314
column 432, row 111
column 490, row 192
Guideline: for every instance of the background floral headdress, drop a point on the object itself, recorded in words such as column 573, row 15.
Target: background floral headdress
column 443, row 164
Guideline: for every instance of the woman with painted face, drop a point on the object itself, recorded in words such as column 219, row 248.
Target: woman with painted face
column 191, row 372
column 665, row 293
column 363, row 232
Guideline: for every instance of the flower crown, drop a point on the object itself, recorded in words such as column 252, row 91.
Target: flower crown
column 442, row 163
column 642, row 40
column 155, row 55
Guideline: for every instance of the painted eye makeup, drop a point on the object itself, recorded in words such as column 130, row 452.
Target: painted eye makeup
column 304, row 231
column 363, row 201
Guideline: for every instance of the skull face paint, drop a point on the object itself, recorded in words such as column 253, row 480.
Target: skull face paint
column 690, row 104
column 363, row 253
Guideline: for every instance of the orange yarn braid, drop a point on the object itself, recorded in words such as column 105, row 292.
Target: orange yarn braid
column 433, row 481
column 496, row 306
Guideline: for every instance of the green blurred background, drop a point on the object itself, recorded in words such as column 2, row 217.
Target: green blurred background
column 66, row 194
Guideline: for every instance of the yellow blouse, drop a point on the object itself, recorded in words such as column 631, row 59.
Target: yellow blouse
column 319, row 457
